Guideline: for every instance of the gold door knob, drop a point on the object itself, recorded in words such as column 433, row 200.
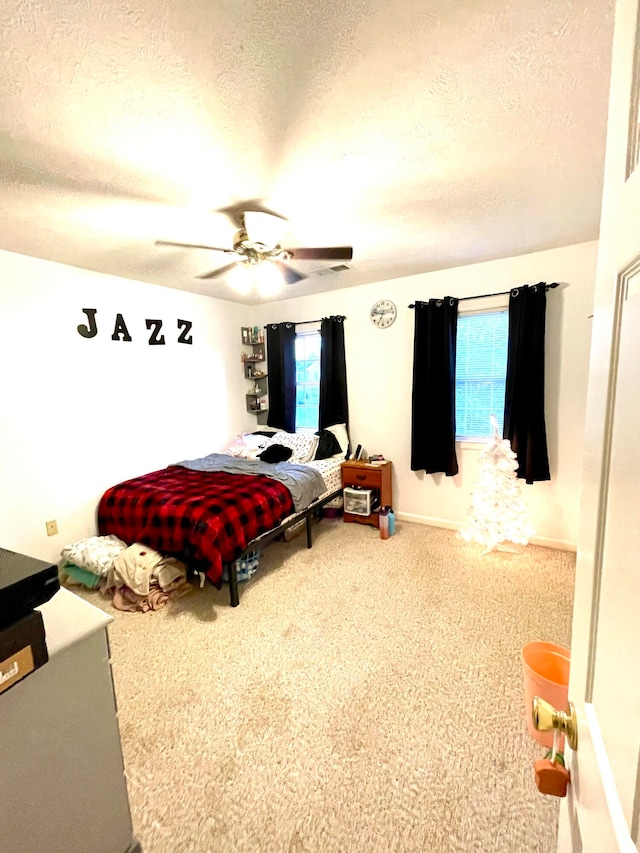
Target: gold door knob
column 546, row 718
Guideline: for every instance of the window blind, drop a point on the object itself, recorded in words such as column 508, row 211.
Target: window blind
column 481, row 368
column 307, row 379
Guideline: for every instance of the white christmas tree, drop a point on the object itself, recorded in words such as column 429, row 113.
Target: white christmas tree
column 497, row 512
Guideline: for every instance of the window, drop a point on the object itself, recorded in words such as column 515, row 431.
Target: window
column 307, row 379
column 481, row 369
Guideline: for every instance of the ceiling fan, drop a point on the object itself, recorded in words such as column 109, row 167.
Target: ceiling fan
column 258, row 241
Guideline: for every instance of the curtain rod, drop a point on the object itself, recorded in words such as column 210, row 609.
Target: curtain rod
column 306, row 322
column 501, row 293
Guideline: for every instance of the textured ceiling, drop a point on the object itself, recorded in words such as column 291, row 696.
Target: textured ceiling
column 424, row 134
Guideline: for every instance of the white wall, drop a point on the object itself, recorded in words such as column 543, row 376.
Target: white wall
column 379, row 365
column 78, row 415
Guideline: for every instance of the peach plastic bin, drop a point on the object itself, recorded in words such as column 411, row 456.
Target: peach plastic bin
column 546, row 674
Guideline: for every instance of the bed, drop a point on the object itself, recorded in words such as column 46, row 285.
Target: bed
column 212, row 511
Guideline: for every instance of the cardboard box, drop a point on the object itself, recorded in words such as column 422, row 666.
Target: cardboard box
column 23, row 649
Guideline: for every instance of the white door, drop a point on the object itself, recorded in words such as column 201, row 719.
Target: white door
column 601, row 811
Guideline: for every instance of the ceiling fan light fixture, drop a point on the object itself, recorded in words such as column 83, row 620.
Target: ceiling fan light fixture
column 269, row 282
column 240, row 277
column 280, row 254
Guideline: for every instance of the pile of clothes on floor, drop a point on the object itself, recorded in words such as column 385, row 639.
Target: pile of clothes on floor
column 136, row 576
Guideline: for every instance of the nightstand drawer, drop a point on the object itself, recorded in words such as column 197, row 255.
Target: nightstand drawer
column 360, row 501
column 361, row 477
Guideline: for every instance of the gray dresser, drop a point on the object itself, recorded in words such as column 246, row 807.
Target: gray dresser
column 62, row 784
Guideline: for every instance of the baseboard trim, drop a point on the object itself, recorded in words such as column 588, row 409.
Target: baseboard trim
column 544, row 541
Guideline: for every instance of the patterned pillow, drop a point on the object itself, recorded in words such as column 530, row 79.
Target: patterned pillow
column 303, row 444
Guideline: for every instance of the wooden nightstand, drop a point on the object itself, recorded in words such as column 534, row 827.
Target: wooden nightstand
column 369, row 477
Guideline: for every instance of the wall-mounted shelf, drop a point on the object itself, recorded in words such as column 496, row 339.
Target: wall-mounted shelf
column 253, row 354
column 252, row 371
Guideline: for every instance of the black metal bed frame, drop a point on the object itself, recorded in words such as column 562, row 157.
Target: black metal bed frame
column 272, row 534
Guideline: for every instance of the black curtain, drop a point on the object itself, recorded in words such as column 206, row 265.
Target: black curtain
column 334, row 405
column 281, row 379
column 433, row 407
column 524, row 423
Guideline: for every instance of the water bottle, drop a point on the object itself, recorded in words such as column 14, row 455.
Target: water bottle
column 391, row 521
column 384, row 523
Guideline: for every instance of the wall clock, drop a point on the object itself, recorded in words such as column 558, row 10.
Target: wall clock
column 383, row 313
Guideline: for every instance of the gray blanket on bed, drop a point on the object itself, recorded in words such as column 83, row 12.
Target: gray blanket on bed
column 304, row 483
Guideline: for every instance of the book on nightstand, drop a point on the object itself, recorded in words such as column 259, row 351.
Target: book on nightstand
column 377, row 459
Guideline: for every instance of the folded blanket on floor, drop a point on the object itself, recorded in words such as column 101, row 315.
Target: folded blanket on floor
column 81, row 576
column 94, row 554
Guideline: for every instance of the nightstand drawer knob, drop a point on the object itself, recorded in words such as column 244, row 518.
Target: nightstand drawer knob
column 361, row 476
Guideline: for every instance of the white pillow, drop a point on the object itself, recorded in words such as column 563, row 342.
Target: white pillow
column 340, row 432
column 252, row 440
column 303, row 444
column 246, row 446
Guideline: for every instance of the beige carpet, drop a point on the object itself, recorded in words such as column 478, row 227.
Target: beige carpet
column 364, row 696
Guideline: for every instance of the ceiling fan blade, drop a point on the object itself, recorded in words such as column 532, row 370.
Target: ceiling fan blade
column 190, row 246
column 290, row 275
column 332, row 253
column 235, row 211
column 264, row 228
column 219, row 271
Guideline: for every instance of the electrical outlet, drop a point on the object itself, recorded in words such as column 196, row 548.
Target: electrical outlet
column 52, row 527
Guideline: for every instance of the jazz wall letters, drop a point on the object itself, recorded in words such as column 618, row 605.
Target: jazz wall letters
column 121, row 332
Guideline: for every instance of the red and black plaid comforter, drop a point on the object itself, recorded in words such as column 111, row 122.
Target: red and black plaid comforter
column 205, row 518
